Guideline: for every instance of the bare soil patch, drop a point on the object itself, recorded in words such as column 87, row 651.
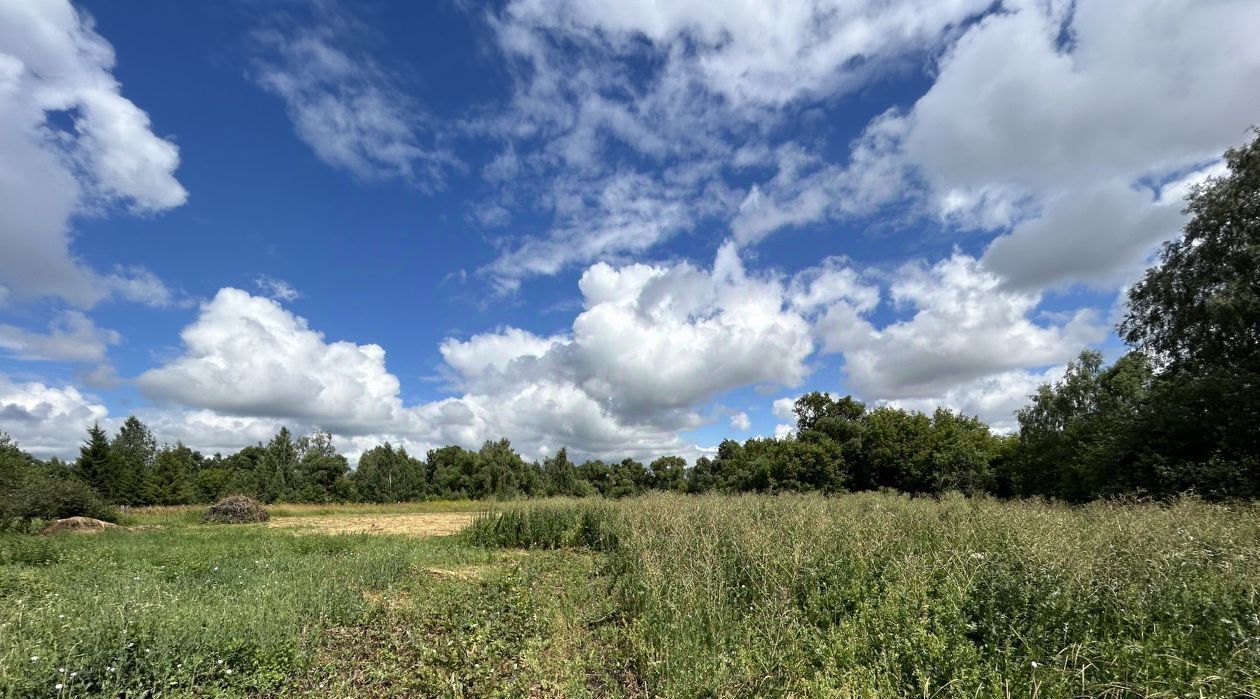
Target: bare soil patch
column 412, row 524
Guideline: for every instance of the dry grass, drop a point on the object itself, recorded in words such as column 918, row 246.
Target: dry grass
column 412, row 524
column 179, row 515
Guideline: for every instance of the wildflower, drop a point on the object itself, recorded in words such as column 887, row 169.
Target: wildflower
column 1034, row 664
column 59, row 686
column 73, row 674
column 228, row 671
column 216, row 567
column 61, row 669
column 34, row 658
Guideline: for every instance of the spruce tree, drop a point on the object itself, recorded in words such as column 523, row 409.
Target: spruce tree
column 94, row 465
column 133, row 451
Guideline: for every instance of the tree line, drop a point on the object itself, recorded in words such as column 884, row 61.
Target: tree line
column 1179, row 412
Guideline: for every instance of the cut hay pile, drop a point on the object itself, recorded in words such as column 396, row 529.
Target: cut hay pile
column 237, row 509
column 80, row 525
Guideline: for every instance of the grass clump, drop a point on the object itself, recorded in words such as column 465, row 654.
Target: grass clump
column 548, row 524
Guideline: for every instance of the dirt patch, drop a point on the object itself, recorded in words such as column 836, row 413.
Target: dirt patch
column 416, row 524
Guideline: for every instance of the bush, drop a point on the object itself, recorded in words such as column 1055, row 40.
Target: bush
column 237, row 509
column 43, row 497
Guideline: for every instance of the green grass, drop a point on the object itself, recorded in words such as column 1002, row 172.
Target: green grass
column 791, row 596
column 204, row 611
column 880, row 596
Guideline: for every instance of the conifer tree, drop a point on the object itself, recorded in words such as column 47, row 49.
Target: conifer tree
column 94, row 465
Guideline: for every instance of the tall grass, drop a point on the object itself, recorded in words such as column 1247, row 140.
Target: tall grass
column 874, row 595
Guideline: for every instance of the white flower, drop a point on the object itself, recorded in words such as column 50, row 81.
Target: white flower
column 1034, row 664
column 228, row 671
column 59, row 686
column 34, row 658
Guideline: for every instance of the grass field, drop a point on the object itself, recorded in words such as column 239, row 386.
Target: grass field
column 857, row 596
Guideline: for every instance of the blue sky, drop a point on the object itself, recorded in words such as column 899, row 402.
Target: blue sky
column 629, row 228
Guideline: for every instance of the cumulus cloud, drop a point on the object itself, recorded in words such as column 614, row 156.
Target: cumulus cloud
column 247, row 355
column 71, row 336
column 740, row 421
column 343, row 104
column 784, row 408
column 1067, row 112
column 652, row 345
column 964, row 327
column 993, row 399
column 46, row 420
column 52, row 62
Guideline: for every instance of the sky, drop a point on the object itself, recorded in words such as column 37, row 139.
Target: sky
column 625, row 227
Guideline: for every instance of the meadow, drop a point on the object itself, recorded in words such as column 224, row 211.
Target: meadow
column 862, row 595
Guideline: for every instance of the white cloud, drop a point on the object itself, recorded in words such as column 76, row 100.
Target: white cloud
column 47, row 420
column 52, row 62
column 755, row 53
column 965, row 328
column 740, row 421
column 1066, row 112
column 624, row 213
column 652, row 345
column 784, row 408
column 693, row 90
column 246, row 355
column 344, row 105
column 277, row 289
column 71, row 337
column 994, row 399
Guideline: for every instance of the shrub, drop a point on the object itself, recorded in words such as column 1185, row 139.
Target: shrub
column 43, row 497
column 237, row 509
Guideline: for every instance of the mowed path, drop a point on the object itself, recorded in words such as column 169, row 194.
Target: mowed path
column 410, row 524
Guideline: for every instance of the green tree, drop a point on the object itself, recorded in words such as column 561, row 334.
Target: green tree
column 669, row 473
column 170, row 482
column 1197, row 315
column 15, row 464
column 278, row 468
column 560, row 476
column 321, row 471
column 386, row 474
column 132, row 451
column 813, row 408
column 94, row 466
